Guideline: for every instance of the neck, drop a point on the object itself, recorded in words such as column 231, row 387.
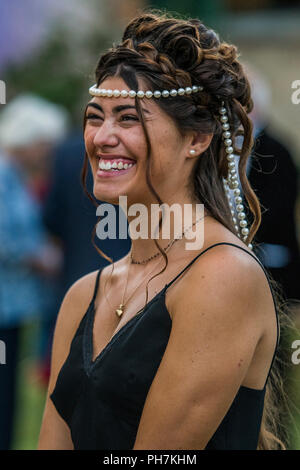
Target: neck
column 183, row 222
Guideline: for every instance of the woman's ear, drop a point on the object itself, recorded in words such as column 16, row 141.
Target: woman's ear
column 198, row 143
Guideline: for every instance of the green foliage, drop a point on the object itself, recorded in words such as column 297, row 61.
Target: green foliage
column 60, row 71
column 205, row 10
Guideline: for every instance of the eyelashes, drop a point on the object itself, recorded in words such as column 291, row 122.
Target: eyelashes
column 124, row 117
column 129, row 118
column 91, row 116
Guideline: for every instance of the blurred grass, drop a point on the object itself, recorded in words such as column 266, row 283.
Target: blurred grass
column 31, row 393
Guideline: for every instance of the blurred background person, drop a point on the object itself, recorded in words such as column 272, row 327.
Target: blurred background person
column 29, row 260
column 273, row 175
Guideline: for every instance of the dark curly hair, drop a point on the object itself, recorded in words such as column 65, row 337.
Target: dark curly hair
column 165, row 53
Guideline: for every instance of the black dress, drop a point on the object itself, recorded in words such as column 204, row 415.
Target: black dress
column 102, row 400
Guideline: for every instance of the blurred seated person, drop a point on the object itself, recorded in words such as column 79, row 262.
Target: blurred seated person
column 273, row 175
column 29, row 261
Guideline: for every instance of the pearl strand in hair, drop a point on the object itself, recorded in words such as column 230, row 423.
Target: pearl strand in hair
column 232, row 183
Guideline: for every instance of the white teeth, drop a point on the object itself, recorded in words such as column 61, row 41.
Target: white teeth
column 116, row 166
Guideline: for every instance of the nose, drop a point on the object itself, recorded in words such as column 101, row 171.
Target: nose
column 106, row 136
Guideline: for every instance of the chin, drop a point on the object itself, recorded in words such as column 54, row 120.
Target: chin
column 108, row 186
column 105, row 196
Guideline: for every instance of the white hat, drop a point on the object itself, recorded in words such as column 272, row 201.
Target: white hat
column 29, row 119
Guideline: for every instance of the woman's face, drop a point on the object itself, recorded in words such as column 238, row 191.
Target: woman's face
column 115, row 140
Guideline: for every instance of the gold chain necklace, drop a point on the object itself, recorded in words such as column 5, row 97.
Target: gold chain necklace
column 167, row 247
column 120, row 310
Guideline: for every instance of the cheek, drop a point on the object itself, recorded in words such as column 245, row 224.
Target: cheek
column 134, row 139
column 165, row 149
column 88, row 136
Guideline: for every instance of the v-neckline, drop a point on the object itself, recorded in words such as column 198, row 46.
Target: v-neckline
column 88, row 344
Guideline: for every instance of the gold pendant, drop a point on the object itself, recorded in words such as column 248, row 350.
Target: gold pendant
column 119, row 310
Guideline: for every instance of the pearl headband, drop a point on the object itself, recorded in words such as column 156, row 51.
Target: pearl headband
column 94, row 91
column 229, row 183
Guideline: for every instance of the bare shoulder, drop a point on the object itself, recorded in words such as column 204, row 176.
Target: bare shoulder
column 216, row 345
column 227, row 282
column 231, row 267
column 76, row 302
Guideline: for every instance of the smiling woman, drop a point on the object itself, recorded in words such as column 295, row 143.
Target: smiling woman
column 128, row 373
column 115, row 134
column 112, row 165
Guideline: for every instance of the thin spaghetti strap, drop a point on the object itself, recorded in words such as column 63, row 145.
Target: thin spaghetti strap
column 231, row 244
column 198, row 256
column 88, row 327
column 267, row 276
column 96, row 286
column 202, row 253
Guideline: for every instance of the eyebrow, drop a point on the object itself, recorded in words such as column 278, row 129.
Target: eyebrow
column 116, row 109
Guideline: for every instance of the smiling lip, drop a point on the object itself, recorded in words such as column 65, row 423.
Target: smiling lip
column 114, row 157
column 111, row 173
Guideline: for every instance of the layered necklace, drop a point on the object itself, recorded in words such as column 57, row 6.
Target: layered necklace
column 120, row 310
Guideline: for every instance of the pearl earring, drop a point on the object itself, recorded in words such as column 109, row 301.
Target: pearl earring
column 192, row 152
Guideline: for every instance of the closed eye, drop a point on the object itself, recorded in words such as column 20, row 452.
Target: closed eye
column 92, row 116
column 129, row 117
column 126, row 117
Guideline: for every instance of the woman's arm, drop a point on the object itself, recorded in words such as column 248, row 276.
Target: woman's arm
column 55, row 433
column 217, row 322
